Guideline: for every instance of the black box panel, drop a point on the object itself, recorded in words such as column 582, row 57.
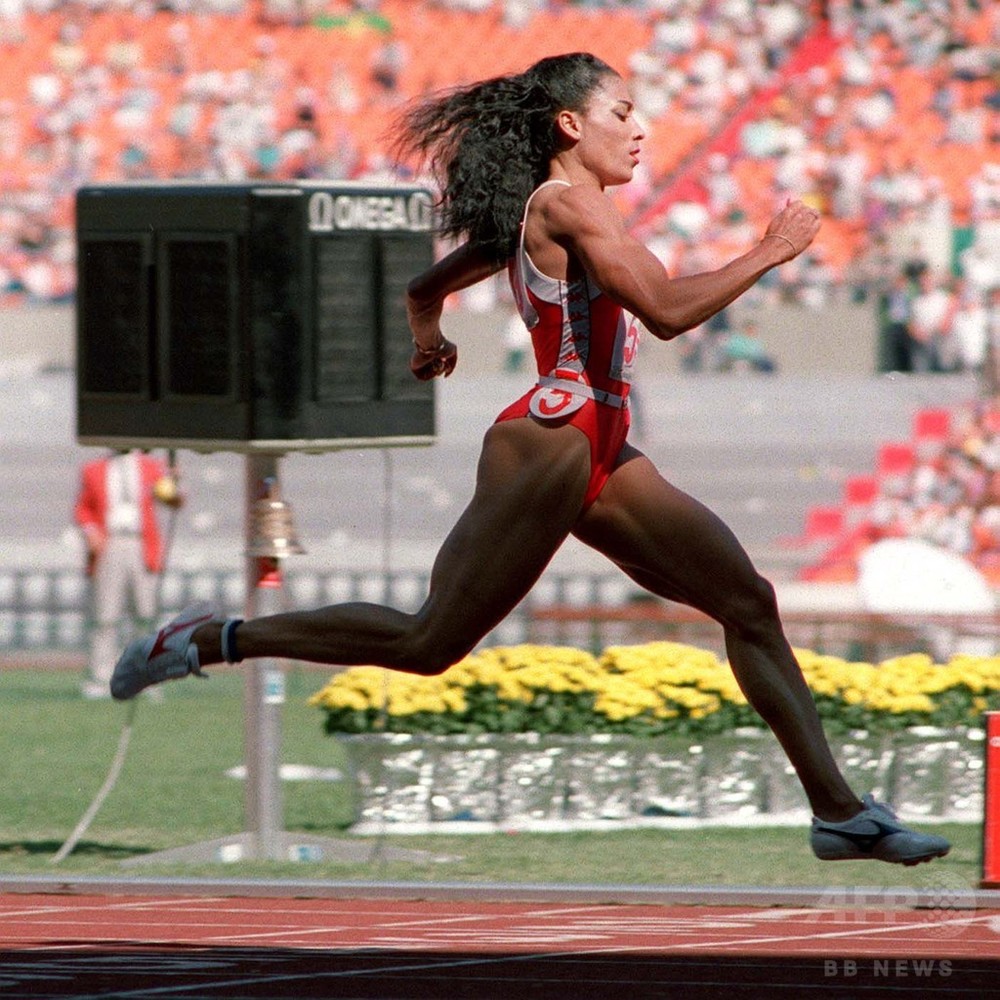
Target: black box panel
column 249, row 317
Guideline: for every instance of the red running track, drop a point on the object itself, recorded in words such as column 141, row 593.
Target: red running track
column 112, row 946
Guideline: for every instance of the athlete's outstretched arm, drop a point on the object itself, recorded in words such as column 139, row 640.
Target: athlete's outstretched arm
column 584, row 221
column 433, row 353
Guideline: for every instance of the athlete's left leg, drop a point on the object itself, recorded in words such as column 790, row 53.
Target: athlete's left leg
column 675, row 547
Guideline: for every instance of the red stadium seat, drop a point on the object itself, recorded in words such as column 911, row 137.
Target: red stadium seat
column 932, row 423
column 823, row 524
column 931, row 431
column 860, row 490
column 895, row 459
column 860, row 493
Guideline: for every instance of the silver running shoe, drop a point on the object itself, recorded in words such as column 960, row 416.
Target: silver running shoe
column 874, row 833
column 167, row 655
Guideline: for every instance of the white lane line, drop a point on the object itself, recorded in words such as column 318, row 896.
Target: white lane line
column 853, row 932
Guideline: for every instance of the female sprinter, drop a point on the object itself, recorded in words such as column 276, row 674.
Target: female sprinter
column 524, row 162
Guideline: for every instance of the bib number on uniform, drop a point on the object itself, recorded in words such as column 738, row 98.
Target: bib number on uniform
column 549, row 403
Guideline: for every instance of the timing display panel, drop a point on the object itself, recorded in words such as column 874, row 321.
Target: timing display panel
column 114, row 314
column 402, row 258
column 198, row 277
column 250, row 317
column 346, row 318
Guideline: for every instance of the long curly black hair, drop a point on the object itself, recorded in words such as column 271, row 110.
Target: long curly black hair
column 489, row 144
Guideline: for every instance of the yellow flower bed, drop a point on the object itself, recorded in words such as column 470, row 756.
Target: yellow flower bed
column 652, row 689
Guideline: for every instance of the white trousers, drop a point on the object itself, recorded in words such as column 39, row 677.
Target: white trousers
column 122, row 585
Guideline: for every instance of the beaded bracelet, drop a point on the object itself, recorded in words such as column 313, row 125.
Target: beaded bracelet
column 426, row 352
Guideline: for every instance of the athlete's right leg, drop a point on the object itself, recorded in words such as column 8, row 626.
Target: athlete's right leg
column 677, row 548
column 530, row 484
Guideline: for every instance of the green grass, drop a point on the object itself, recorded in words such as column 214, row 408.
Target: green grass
column 173, row 791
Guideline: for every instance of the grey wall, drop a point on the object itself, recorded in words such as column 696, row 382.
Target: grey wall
column 839, row 339
column 38, row 333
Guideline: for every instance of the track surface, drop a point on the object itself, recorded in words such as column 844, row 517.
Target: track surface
column 111, row 946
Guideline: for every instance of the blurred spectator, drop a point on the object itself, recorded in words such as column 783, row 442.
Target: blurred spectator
column 67, row 55
column 124, row 54
column 388, row 62
column 298, row 146
column 743, row 350
column 814, row 279
column 931, row 346
column 876, row 111
column 137, row 103
column 992, row 373
column 782, row 25
column 11, row 132
column 723, row 191
column 967, row 121
column 970, row 328
column 12, row 28
column 984, row 189
column 517, row 344
column 980, row 262
column 847, row 168
column 340, row 89
column 516, row 13
column 178, row 56
column 896, row 308
column 703, row 348
column 914, row 263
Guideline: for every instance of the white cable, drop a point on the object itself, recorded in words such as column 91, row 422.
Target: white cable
column 109, row 782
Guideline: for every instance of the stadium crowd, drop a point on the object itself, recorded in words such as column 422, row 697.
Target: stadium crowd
column 949, row 495
column 889, row 122
column 895, row 137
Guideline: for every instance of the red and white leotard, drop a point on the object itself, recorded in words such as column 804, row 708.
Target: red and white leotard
column 585, row 347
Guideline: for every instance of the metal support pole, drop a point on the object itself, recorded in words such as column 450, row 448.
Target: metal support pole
column 264, row 684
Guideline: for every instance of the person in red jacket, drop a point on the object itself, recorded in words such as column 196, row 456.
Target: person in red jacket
column 116, row 511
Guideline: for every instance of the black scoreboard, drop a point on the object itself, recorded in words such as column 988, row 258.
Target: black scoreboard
column 249, row 317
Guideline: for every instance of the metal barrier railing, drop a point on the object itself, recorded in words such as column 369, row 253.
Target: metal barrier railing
column 50, row 609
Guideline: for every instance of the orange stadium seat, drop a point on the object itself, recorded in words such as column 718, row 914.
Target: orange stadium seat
column 447, row 47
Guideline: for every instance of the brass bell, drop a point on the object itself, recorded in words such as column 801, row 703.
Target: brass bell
column 272, row 534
